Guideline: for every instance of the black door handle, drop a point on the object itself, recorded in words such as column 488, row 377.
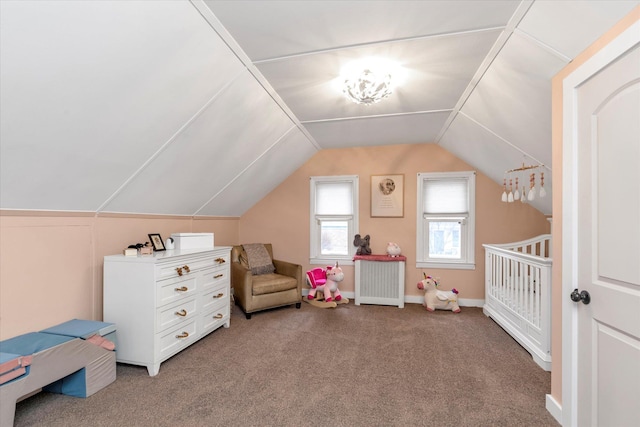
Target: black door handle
column 583, row 296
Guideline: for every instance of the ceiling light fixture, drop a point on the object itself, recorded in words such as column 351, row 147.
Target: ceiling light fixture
column 368, row 87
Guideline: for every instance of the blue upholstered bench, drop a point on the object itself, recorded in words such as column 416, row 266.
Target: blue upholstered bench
column 58, row 359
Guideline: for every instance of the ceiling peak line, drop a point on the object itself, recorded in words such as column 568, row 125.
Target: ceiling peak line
column 544, row 46
column 525, row 154
column 171, row 139
column 221, row 31
column 231, row 181
column 233, row 45
column 377, row 116
column 375, row 43
column 262, row 81
column 497, row 47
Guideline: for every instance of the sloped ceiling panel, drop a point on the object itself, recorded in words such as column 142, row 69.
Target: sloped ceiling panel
column 484, row 150
column 571, row 26
column 233, row 131
column 91, row 90
column 418, row 129
column 273, row 29
column 102, row 102
column 514, row 96
column 437, row 70
column 262, row 176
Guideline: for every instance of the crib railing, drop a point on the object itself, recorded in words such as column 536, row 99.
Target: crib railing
column 518, row 293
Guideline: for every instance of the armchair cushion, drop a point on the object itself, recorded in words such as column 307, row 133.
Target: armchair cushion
column 270, row 283
column 258, row 258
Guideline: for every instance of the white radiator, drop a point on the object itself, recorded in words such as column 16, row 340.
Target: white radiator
column 379, row 282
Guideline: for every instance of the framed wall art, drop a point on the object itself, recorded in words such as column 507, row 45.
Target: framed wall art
column 387, row 196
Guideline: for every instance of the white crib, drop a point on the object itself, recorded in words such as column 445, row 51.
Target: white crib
column 518, row 293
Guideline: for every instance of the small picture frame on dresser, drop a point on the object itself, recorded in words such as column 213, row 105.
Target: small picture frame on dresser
column 156, row 241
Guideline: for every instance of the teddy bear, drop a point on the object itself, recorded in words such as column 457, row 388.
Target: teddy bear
column 435, row 299
column 363, row 245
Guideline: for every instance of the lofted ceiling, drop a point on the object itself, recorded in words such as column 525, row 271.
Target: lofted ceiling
column 203, row 107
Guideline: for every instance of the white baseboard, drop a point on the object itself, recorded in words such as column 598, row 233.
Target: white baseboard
column 417, row 299
column 554, row 408
column 462, row 302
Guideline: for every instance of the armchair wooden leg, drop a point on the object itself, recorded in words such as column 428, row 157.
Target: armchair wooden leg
column 248, row 316
column 298, row 304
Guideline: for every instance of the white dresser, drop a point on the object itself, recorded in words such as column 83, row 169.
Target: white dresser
column 164, row 302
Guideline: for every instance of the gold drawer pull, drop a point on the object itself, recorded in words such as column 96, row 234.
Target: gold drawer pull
column 182, row 289
column 220, row 260
column 220, row 295
column 185, row 268
column 218, row 316
column 217, row 276
column 183, row 335
column 181, row 313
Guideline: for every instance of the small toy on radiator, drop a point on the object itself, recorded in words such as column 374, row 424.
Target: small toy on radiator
column 435, row 299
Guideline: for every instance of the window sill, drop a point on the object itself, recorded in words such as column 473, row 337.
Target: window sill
column 446, row 265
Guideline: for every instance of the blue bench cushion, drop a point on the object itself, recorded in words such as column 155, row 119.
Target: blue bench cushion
column 81, row 328
column 32, row 342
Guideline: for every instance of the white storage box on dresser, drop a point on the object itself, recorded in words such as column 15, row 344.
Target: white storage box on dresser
column 164, row 302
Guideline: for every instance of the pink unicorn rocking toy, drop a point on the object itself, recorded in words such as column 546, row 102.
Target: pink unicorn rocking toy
column 326, row 282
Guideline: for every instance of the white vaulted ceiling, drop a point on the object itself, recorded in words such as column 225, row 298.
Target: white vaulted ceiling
column 203, row 107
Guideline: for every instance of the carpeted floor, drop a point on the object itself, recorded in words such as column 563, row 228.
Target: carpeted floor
column 349, row 366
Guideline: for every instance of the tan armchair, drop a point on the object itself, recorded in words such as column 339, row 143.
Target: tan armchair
column 263, row 291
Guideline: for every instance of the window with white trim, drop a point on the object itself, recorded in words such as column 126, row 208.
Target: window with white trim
column 333, row 219
column 446, row 220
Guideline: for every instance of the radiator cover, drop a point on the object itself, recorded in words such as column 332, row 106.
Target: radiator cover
column 379, row 279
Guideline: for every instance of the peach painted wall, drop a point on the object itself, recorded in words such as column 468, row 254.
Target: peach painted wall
column 282, row 217
column 556, row 332
column 51, row 263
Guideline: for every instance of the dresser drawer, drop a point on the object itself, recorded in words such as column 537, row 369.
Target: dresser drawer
column 173, row 314
column 175, row 339
column 216, row 317
column 215, row 296
column 185, row 267
column 173, row 290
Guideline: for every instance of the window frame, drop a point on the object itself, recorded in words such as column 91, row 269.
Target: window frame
column 467, row 231
column 315, row 229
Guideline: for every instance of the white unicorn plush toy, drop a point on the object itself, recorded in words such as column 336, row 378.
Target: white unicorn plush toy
column 435, row 299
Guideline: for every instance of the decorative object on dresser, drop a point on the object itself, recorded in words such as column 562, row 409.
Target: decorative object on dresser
column 379, row 279
column 193, row 240
column 165, row 302
column 261, row 282
column 141, row 249
column 170, row 244
column 156, row 241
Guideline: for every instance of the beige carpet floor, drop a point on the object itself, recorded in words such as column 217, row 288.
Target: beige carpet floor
column 350, row 366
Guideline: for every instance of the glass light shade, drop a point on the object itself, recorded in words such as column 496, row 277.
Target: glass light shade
column 368, row 87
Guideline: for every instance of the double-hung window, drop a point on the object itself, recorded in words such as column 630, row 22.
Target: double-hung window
column 333, row 219
column 446, row 220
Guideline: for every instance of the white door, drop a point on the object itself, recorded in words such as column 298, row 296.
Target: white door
column 606, row 244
